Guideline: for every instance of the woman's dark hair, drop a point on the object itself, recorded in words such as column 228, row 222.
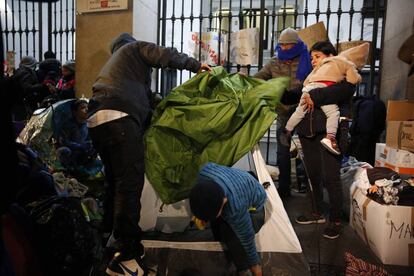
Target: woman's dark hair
column 75, row 105
column 325, row 47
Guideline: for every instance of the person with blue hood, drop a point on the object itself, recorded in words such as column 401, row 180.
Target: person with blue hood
column 292, row 60
column 120, row 112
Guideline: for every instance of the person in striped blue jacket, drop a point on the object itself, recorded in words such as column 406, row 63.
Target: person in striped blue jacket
column 233, row 201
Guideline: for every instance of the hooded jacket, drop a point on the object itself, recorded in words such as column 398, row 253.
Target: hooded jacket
column 341, row 67
column 124, row 83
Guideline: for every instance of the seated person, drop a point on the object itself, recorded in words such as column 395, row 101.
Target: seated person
column 74, row 145
column 233, row 201
column 65, row 88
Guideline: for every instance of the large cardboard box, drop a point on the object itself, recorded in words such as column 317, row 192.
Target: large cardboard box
column 401, row 161
column 387, row 230
column 400, row 125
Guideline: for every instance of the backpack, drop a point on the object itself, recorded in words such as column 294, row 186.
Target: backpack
column 368, row 122
column 68, row 243
column 34, row 179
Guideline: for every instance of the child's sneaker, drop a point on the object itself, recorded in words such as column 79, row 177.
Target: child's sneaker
column 119, row 267
column 330, row 144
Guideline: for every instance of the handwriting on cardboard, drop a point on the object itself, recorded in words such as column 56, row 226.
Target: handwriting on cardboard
column 401, row 231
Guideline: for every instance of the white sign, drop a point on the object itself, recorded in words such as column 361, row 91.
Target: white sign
column 208, row 47
column 244, row 47
column 84, row 6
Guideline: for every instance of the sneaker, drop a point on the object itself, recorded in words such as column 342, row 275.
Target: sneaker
column 332, row 231
column 331, row 145
column 133, row 267
column 311, row 219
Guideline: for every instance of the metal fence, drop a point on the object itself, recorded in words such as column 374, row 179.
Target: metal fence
column 29, row 28
column 345, row 20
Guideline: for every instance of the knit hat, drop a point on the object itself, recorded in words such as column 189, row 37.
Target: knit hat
column 288, row 35
column 206, row 199
column 120, row 41
column 70, row 65
column 28, row 62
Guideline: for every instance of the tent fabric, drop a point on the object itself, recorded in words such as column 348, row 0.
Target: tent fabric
column 42, row 128
column 276, row 241
column 276, row 234
column 40, row 135
column 213, row 117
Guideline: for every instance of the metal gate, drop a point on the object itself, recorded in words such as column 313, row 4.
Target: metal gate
column 29, row 28
column 345, row 20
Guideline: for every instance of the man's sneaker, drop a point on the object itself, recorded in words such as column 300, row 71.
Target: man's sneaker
column 311, row 219
column 133, row 267
column 330, row 144
column 332, row 231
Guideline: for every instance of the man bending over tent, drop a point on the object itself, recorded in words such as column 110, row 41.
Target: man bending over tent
column 232, row 200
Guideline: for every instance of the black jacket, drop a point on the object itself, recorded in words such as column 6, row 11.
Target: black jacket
column 124, row 82
column 315, row 122
column 29, row 90
column 49, row 69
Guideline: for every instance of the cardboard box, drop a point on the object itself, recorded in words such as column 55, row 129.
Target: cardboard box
column 313, row 33
column 401, row 161
column 400, row 125
column 387, row 230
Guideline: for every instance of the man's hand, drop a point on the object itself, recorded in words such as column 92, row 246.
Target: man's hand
column 204, row 67
column 307, row 103
column 256, row 270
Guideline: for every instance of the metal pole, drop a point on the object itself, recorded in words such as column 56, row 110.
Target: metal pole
column 261, row 32
column 374, row 47
column 40, row 31
column 49, row 26
column 384, row 19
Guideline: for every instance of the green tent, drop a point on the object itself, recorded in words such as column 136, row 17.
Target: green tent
column 213, row 117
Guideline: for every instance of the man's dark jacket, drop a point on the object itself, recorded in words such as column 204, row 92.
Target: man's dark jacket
column 49, row 69
column 124, row 83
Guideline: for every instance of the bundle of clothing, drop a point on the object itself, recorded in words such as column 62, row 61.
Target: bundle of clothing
column 386, row 186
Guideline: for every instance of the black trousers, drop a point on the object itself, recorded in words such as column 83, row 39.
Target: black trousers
column 283, row 163
column 323, row 169
column 234, row 250
column 121, row 147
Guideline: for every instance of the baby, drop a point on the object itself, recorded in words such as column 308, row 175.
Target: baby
column 329, row 69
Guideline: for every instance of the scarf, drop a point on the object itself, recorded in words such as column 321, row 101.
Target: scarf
column 300, row 49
